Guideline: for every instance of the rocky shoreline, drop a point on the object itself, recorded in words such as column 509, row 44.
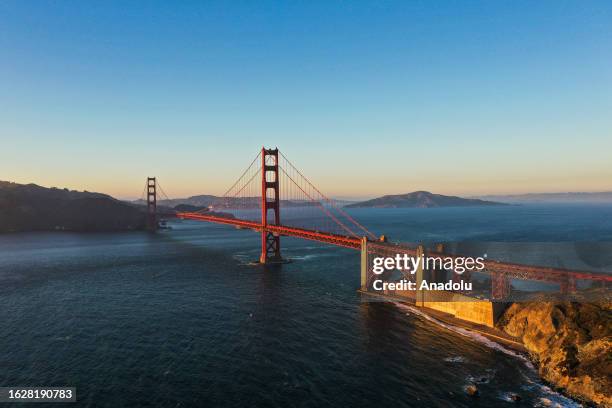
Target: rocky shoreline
column 570, row 342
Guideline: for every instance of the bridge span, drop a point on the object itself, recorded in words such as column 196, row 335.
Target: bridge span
column 271, row 183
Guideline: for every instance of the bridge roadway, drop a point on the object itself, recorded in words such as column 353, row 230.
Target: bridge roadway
column 325, row 237
column 509, row 270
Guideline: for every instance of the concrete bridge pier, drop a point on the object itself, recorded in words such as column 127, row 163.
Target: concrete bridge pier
column 364, row 264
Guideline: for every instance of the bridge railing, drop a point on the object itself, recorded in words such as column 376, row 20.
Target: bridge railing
column 497, row 281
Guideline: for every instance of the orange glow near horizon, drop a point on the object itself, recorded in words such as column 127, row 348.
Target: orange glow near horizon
column 131, row 187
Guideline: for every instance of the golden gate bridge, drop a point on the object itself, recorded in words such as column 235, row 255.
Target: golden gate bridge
column 272, row 185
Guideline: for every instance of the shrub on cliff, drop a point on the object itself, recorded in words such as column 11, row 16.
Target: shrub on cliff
column 572, row 343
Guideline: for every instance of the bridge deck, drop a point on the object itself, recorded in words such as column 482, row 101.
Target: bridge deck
column 325, row 237
column 510, row 270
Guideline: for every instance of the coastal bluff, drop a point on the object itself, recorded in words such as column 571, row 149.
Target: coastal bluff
column 571, row 342
column 29, row 207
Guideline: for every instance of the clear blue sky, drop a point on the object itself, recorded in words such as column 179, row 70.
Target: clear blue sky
column 366, row 98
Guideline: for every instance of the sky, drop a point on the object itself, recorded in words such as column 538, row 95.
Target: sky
column 365, row 98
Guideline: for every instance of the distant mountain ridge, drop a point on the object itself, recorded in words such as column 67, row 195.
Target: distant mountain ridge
column 421, row 199
column 30, row 207
column 220, row 203
column 569, row 197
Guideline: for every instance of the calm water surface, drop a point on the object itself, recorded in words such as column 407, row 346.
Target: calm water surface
column 180, row 319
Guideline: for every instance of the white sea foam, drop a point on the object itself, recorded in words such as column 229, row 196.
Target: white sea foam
column 482, row 379
column 307, row 257
column 468, row 333
column 318, row 254
column 550, row 398
column 506, row 396
column 64, row 338
column 455, row 359
column 554, row 399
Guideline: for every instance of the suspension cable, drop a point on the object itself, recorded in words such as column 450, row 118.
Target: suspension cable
column 162, row 190
column 319, row 204
column 344, row 213
column 242, row 175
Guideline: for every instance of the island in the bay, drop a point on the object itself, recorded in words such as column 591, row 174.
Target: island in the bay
column 421, row 199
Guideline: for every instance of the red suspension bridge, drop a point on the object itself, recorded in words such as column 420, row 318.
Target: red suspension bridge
column 272, row 185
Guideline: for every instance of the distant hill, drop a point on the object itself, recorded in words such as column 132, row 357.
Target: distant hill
column 421, row 199
column 200, row 201
column 29, row 207
column 189, row 208
column 604, row 197
column 221, row 203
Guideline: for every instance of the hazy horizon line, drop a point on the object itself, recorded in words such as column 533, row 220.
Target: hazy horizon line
column 346, row 197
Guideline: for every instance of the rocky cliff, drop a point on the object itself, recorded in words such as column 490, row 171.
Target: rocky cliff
column 572, row 343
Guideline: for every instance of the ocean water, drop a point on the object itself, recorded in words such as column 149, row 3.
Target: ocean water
column 180, row 318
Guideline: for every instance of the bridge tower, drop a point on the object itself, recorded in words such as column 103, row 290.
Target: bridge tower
column 151, row 204
column 270, row 201
column 500, row 286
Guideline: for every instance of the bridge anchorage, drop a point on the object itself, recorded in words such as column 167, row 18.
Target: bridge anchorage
column 272, row 185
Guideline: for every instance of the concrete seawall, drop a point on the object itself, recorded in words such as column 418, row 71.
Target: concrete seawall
column 457, row 305
column 469, row 309
column 460, row 306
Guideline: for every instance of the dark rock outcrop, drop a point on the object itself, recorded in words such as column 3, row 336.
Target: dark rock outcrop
column 472, row 390
column 223, row 203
